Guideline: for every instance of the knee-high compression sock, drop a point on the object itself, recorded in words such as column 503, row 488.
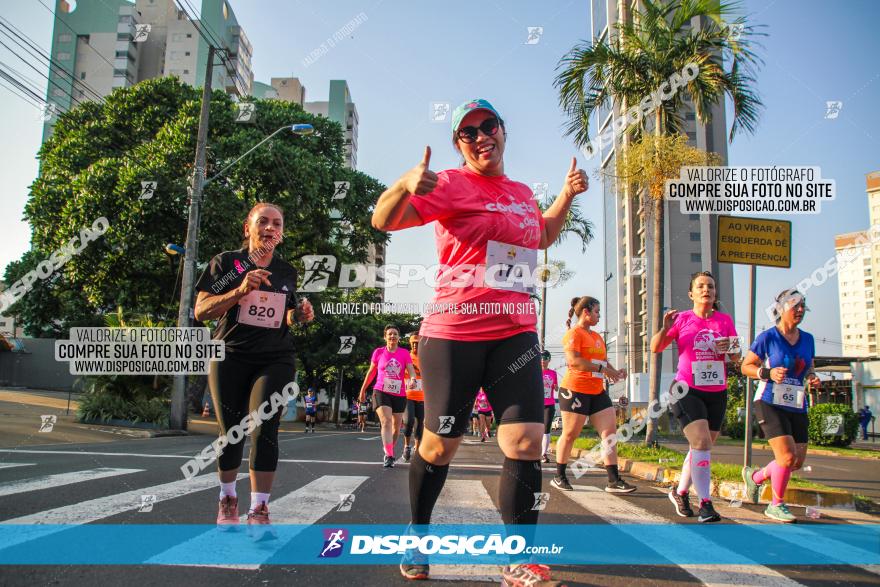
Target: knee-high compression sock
column 701, row 461
column 684, row 483
column 425, row 484
column 778, row 475
column 520, row 481
column 545, row 444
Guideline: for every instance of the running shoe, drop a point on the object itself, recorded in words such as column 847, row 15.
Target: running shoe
column 545, row 459
column 389, row 462
column 259, row 527
column 561, row 483
column 682, row 504
column 414, row 572
column 779, row 513
column 753, row 490
column 483, row 439
column 707, row 513
column 524, row 575
column 619, row 486
column 228, row 514
column 407, row 453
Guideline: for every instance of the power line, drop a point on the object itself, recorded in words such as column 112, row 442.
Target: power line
column 71, row 29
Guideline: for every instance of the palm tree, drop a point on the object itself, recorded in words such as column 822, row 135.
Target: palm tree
column 575, row 225
column 633, row 61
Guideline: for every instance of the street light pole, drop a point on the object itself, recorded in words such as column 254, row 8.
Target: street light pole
column 178, row 419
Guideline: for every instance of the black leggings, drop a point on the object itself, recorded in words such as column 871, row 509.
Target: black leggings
column 549, row 412
column 238, row 388
column 415, row 412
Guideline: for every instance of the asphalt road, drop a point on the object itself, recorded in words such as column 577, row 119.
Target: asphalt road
column 315, row 464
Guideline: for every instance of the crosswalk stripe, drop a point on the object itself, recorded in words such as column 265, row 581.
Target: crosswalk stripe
column 306, row 506
column 465, row 502
column 53, row 481
column 626, row 515
column 10, row 465
column 48, row 521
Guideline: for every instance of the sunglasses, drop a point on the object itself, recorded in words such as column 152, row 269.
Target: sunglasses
column 469, row 134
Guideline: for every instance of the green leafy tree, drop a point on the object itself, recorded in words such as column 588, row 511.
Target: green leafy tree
column 642, row 52
column 99, row 154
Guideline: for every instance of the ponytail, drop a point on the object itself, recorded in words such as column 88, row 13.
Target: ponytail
column 578, row 305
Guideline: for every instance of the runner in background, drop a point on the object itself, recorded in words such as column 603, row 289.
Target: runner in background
column 310, row 401
column 475, row 420
column 703, row 336
column 251, row 294
column 415, row 404
column 484, row 411
column 551, row 388
column 781, row 358
column 361, row 413
column 388, row 365
column 583, row 394
column 483, row 220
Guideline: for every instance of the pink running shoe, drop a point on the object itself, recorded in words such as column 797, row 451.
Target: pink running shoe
column 259, row 526
column 228, row 514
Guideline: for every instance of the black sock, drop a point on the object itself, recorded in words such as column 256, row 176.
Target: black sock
column 613, row 475
column 520, row 481
column 560, row 469
column 425, row 484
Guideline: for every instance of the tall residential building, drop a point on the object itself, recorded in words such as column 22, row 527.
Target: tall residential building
column 341, row 109
column 629, row 238
column 99, row 46
column 858, row 261
column 856, row 294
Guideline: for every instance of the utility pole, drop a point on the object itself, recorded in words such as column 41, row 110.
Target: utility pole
column 184, row 315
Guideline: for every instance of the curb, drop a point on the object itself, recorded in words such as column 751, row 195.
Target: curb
column 730, row 490
column 827, row 452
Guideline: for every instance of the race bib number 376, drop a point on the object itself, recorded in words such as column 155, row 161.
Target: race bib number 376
column 708, row 373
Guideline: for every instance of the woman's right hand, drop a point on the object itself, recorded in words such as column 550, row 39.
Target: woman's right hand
column 420, row 180
column 669, row 318
column 777, row 374
column 252, row 281
column 362, row 396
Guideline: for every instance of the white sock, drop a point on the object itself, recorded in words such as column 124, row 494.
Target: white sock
column 258, row 498
column 701, row 461
column 545, row 444
column 227, row 489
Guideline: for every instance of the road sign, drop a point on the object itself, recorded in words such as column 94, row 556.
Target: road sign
column 754, row 241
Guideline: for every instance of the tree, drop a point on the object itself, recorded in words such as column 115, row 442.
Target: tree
column 99, row 154
column 632, row 62
column 575, row 225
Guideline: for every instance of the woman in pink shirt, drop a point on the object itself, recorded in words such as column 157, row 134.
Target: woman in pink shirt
column 388, row 365
column 551, row 389
column 703, row 339
column 481, row 331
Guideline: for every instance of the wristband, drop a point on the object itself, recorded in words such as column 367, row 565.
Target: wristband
column 764, row 373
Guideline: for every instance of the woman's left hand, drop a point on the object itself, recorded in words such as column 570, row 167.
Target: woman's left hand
column 304, row 312
column 813, row 380
column 576, row 182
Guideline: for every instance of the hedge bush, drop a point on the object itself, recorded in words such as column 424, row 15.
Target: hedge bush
column 816, row 415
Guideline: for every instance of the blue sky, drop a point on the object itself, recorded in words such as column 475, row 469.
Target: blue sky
column 406, row 55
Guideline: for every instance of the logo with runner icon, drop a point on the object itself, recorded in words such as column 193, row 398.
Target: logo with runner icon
column 446, row 423
column 334, row 540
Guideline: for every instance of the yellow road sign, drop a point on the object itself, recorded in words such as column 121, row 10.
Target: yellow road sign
column 754, row 241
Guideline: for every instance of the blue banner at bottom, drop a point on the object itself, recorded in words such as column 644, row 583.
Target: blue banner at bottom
column 624, row 544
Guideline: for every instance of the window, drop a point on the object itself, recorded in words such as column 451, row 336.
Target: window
column 189, row 35
column 695, row 237
column 187, row 54
column 64, row 38
column 63, row 56
column 82, row 75
column 695, row 257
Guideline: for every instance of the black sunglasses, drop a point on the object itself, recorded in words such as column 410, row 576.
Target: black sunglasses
column 469, row 134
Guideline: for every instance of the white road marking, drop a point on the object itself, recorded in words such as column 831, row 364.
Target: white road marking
column 53, row 481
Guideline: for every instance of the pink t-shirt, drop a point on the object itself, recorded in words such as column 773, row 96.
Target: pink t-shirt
column 473, row 212
column 391, row 370
column 482, row 402
column 695, row 337
column 551, row 386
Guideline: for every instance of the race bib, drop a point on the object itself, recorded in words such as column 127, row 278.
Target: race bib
column 708, row 373
column 510, row 267
column 392, row 386
column 417, row 386
column 790, row 396
column 264, row 309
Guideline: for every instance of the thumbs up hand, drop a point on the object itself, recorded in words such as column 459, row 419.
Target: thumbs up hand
column 420, row 180
column 576, row 182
